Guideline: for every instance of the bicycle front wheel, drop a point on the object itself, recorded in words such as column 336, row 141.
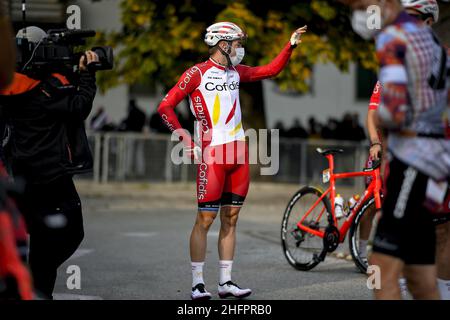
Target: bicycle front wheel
column 364, row 226
column 305, row 250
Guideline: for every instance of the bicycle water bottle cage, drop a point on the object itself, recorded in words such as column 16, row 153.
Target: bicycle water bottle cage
column 326, row 152
column 375, row 164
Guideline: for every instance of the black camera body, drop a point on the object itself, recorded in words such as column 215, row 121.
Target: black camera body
column 57, row 52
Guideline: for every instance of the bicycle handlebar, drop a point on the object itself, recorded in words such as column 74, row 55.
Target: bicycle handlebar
column 376, row 164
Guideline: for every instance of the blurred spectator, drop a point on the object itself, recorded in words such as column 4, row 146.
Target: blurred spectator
column 314, row 128
column 350, row 129
column 281, row 129
column 135, row 158
column 329, row 131
column 297, row 130
column 344, row 128
column 100, row 121
column 135, row 120
column 359, row 133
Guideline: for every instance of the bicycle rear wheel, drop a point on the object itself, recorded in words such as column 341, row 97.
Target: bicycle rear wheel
column 305, row 250
column 368, row 208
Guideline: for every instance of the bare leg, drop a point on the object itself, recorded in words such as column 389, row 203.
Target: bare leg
column 366, row 223
column 365, row 228
column 443, row 259
column 422, row 281
column 443, row 251
column 227, row 234
column 391, row 269
column 199, row 235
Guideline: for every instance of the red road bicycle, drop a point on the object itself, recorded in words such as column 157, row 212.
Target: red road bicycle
column 310, row 229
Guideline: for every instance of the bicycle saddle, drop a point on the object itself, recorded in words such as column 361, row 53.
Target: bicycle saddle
column 326, row 152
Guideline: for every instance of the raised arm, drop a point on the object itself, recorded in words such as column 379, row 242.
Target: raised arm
column 249, row 74
column 188, row 82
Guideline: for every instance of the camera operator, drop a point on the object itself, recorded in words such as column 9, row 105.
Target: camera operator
column 48, row 146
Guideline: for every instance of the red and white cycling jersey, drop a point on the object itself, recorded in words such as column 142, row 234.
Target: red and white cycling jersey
column 373, row 105
column 213, row 92
column 375, row 98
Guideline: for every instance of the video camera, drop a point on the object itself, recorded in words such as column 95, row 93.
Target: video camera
column 57, row 52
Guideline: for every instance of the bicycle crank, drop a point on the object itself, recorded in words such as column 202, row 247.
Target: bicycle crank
column 331, row 238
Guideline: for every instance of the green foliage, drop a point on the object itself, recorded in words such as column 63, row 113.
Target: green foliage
column 161, row 39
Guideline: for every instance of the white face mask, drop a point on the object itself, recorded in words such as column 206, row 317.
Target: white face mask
column 240, row 53
column 359, row 25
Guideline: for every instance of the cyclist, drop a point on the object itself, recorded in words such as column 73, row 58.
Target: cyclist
column 414, row 99
column 428, row 12
column 213, row 89
column 375, row 153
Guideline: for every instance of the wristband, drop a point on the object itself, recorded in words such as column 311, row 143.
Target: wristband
column 375, row 143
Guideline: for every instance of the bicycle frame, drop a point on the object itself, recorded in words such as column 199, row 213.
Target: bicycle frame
column 372, row 190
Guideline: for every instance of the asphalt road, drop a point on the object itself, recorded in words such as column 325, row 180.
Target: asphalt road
column 136, row 247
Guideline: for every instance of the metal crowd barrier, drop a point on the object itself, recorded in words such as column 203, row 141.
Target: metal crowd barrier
column 147, row 158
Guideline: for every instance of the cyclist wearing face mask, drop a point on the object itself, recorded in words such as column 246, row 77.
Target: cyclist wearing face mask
column 428, row 12
column 413, row 78
column 223, row 171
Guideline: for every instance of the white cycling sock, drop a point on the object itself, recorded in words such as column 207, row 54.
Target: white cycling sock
column 363, row 248
column 197, row 273
column 225, row 270
column 444, row 288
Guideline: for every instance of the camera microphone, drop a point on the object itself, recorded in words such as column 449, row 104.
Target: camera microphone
column 72, row 34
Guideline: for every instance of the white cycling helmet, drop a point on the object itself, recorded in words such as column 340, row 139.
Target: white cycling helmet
column 227, row 31
column 423, row 6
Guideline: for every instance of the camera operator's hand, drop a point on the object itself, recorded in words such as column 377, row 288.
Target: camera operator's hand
column 90, row 56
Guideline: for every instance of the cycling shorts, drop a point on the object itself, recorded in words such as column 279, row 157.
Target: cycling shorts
column 223, row 176
column 406, row 229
